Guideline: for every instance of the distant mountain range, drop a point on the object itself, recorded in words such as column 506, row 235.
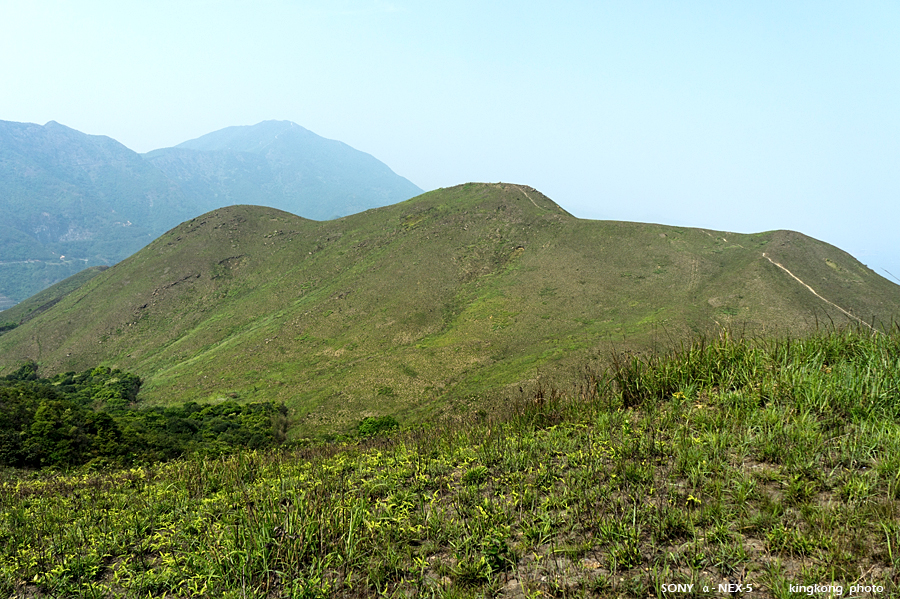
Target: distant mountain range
column 281, row 165
column 72, row 200
column 436, row 303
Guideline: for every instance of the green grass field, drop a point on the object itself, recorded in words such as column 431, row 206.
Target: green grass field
column 769, row 464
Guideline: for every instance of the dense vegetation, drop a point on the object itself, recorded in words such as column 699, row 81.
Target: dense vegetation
column 90, row 418
column 20, row 280
column 728, row 462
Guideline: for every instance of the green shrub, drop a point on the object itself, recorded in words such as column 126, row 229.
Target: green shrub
column 375, row 426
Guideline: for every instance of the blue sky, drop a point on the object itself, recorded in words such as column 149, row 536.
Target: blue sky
column 733, row 116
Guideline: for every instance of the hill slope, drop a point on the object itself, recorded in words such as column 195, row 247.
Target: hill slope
column 422, row 305
column 72, row 200
column 46, row 299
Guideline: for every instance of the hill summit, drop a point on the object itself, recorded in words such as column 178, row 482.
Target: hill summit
column 428, row 305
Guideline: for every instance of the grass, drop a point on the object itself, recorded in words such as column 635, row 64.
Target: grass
column 728, row 462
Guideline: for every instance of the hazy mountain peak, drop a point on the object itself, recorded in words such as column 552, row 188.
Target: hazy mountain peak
column 246, row 138
column 283, row 165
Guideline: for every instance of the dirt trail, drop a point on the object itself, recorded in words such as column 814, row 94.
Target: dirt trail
column 692, row 280
column 528, row 196
column 813, row 291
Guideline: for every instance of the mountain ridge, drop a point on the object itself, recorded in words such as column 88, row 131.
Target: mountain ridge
column 73, row 200
column 269, row 164
column 436, row 303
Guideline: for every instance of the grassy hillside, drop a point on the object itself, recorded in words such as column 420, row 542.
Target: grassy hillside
column 755, row 469
column 434, row 305
column 44, row 300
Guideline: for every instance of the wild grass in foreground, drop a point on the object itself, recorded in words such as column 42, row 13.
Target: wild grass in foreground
column 768, row 466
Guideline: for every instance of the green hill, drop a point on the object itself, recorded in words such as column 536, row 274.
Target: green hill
column 436, row 304
column 71, row 200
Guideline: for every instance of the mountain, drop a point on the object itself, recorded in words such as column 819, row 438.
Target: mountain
column 282, row 165
column 436, row 303
column 72, row 200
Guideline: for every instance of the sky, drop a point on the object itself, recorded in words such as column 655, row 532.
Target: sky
column 733, row 116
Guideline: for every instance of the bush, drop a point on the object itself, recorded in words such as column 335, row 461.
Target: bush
column 376, row 426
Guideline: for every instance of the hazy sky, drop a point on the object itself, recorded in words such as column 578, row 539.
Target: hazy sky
column 738, row 116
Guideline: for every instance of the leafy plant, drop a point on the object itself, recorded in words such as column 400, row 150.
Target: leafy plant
column 373, row 425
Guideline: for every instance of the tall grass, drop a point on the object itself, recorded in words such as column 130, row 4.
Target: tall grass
column 729, row 461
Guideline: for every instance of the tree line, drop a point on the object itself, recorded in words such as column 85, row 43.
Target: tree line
column 93, row 418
